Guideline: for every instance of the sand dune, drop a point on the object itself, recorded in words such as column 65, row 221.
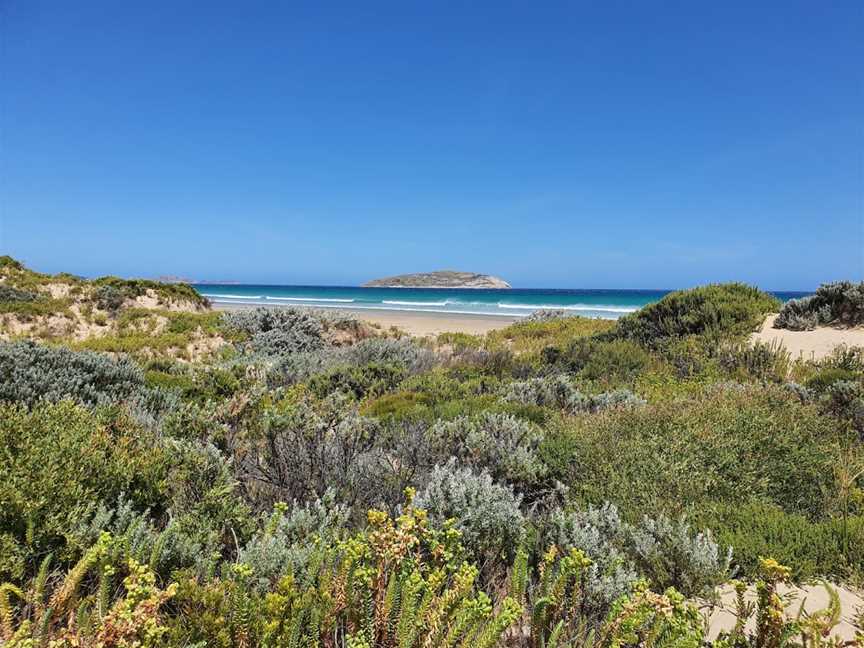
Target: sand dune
column 809, row 345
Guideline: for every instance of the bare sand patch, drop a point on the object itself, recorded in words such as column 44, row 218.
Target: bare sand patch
column 809, row 345
column 813, row 597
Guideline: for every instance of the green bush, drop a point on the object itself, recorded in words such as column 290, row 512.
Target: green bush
column 615, row 361
column 730, row 444
column 722, row 310
column 59, row 463
column 827, row 548
column 368, row 380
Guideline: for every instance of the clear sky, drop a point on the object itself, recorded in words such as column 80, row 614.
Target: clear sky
column 572, row 144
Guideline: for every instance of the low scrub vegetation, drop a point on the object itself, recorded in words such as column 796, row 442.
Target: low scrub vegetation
column 559, row 482
column 840, row 304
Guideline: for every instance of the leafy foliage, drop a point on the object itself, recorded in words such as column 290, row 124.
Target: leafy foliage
column 717, row 309
column 840, row 302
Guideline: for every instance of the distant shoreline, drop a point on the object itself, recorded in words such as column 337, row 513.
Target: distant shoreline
column 415, row 323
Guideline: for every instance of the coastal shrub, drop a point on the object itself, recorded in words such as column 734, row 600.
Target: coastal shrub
column 109, row 298
column 728, row 444
column 559, row 392
column 502, row 444
column 840, row 302
column 555, row 391
column 402, row 353
column 601, row 535
column 166, row 293
column 760, row 360
column 372, row 379
column 824, row 378
column 30, row 372
column 730, row 310
column 528, row 339
column 611, row 361
column 668, row 552
column 672, row 554
column 486, row 513
column 801, row 315
column 832, row 548
column 165, row 550
column 307, row 450
column 298, row 367
column 277, row 332
column 10, row 294
column 546, row 314
column 289, row 538
column 59, row 463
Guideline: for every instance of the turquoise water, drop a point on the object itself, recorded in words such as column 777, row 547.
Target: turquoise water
column 607, row 304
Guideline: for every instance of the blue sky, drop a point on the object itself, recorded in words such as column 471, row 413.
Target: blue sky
column 578, row 144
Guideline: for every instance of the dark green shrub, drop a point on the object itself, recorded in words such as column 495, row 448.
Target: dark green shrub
column 59, row 462
column 729, row 444
column 732, row 310
column 368, row 380
column 756, row 529
column 609, row 361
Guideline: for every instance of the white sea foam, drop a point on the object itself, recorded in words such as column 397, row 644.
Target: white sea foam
column 571, row 307
column 311, row 299
column 415, row 303
column 231, row 296
column 444, row 311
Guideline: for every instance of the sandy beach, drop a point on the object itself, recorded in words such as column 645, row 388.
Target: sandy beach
column 416, row 323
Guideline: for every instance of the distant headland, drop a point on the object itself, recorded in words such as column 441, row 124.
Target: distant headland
column 439, row 279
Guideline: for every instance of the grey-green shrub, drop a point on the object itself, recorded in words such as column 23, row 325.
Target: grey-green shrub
column 502, row 444
column 10, row 294
column 547, row 314
column 674, row 555
column 600, row 534
column 487, row 514
column 286, row 542
column 277, row 331
column 308, row 450
column 547, row 391
column 30, row 372
column 402, row 352
column 559, row 392
column 839, row 302
column 666, row 551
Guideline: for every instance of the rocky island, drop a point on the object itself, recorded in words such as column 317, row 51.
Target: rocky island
column 439, row 279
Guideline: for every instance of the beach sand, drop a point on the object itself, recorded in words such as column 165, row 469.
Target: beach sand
column 809, row 345
column 415, row 323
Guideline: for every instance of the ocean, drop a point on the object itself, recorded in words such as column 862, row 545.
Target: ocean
column 607, row 304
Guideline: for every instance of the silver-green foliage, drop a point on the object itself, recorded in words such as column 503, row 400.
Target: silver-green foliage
column 559, row 392
column 666, row 550
column 30, row 372
column 486, row 513
column 838, row 302
column 502, row 444
column 278, row 331
column 297, row 367
column 288, row 540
